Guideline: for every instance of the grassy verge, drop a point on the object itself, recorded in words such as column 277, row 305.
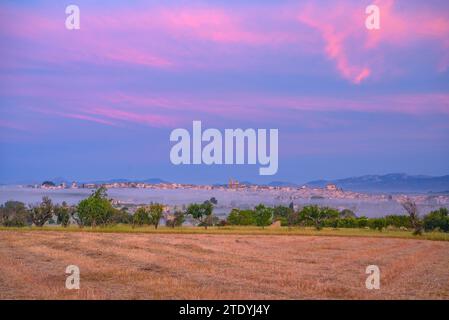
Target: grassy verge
column 247, row 230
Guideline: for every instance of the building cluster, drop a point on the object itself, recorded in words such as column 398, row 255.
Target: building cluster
column 232, row 185
column 280, row 193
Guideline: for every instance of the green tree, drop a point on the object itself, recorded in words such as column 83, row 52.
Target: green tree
column 437, row 220
column 155, row 212
column 96, row 209
column 331, row 216
column 239, row 217
column 362, row 222
column 293, row 218
column 141, row 217
column 201, row 212
column 120, row 216
column 48, row 184
column 281, row 212
column 348, row 223
column 42, row 212
column 14, row 214
column 263, row 215
column 314, row 214
column 234, row 217
column 398, row 221
column 63, row 213
column 377, row 223
column 176, row 220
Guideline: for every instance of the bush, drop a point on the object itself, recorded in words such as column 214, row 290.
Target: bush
column 362, row 222
column 241, row 217
column 348, row 223
column 377, row 223
column 438, row 219
column 398, row 221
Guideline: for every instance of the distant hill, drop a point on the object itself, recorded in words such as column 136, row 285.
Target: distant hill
column 394, row 182
column 282, row 184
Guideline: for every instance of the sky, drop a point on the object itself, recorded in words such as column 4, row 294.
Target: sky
column 100, row 102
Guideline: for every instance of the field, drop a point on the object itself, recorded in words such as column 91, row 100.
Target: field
column 219, row 265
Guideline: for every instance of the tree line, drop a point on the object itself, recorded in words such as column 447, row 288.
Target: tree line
column 321, row 217
column 97, row 210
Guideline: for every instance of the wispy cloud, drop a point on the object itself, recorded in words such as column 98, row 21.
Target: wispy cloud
column 211, row 36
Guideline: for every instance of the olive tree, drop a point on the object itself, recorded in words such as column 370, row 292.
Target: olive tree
column 42, row 212
column 14, row 214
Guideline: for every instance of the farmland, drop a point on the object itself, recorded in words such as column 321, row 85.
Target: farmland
column 227, row 265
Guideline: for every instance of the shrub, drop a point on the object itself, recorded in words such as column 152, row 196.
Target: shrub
column 438, row 219
column 398, row 221
column 348, row 223
column 362, row 222
column 241, row 217
column 377, row 223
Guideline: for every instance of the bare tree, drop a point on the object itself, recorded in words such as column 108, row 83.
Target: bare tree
column 412, row 210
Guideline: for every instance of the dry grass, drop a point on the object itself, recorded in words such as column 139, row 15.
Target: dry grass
column 247, row 230
column 214, row 266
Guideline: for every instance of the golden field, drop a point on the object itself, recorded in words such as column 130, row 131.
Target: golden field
column 199, row 265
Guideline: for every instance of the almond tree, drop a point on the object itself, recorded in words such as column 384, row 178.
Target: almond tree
column 155, row 213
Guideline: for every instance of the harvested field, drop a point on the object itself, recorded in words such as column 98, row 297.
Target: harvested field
column 213, row 266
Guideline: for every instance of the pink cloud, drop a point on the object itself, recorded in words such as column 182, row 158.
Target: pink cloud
column 214, row 36
column 86, row 118
column 351, row 46
column 152, row 120
column 337, row 26
column 12, row 125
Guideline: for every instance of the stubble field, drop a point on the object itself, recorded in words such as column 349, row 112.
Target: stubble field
column 215, row 266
